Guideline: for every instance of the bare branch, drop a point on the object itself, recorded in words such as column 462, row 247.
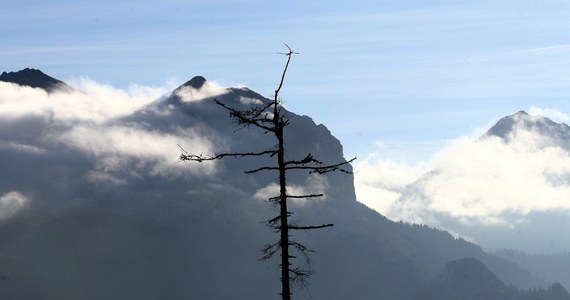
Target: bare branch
column 308, row 159
column 288, row 54
column 297, row 197
column 309, row 227
column 261, row 169
column 185, row 156
column 269, row 250
column 247, row 117
column 299, row 277
column 305, row 196
column 311, row 169
column 302, row 249
column 273, row 220
column 324, row 169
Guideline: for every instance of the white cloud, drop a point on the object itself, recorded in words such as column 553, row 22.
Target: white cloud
column 88, row 120
column 248, row 100
column 483, row 180
column 553, row 114
column 114, row 146
column 11, row 203
column 487, row 181
column 315, row 184
column 92, row 102
column 209, row 89
column 380, row 182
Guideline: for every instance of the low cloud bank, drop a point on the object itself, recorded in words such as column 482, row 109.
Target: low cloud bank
column 94, row 121
column 475, row 183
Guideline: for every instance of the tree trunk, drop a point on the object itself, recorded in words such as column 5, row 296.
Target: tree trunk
column 284, row 214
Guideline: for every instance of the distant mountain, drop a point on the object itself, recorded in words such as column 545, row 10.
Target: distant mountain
column 504, row 191
column 554, row 267
column 102, row 210
column 466, row 279
column 469, row 279
column 505, row 127
column 36, row 79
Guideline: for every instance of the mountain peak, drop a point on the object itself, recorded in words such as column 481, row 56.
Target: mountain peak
column 34, row 78
column 522, row 120
column 196, row 82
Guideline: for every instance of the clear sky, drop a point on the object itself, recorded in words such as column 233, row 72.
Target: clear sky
column 407, row 75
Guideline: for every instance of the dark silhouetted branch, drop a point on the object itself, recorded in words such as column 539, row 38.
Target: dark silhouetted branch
column 185, row 156
column 269, row 250
column 308, row 159
column 297, row 197
column 309, row 227
column 324, row 169
column 261, row 169
column 305, row 196
column 245, row 117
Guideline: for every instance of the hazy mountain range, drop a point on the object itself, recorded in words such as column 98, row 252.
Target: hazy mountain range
column 94, row 205
column 508, row 188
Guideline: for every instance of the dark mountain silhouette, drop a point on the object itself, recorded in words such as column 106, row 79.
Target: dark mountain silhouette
column 106, row 224
column 196, row 82
column 469, row 279
column 36, row 79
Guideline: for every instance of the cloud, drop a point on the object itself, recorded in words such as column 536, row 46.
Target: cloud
column 553, row 114
column 249, row 101
column 207, row 90
column 484, row 180
column 91, row 102
column 476, row 184
column 11, row 203
column 98, row 122
column 380, row 182
column 478, row 180
column 114, row 147
column 315, row 184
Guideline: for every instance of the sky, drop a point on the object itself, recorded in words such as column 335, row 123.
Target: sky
column 399, row 83
column 406, row 74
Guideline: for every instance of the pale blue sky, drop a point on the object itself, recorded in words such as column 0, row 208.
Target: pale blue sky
column 411, row 74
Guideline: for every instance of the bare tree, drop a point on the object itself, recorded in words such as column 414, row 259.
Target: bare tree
column 272, row 119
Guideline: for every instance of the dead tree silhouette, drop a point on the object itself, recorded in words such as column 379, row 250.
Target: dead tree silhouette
column 270, row 118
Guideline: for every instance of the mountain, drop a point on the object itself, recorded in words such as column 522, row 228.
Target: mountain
column 466, row 279
column 469, row 279
column 506, row 127
column 95, row 209
column 554, row 267
column 506, row 189
column 36, row 79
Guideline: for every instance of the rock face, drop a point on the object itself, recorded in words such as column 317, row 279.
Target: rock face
column 36, row 79
column 109, row 216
